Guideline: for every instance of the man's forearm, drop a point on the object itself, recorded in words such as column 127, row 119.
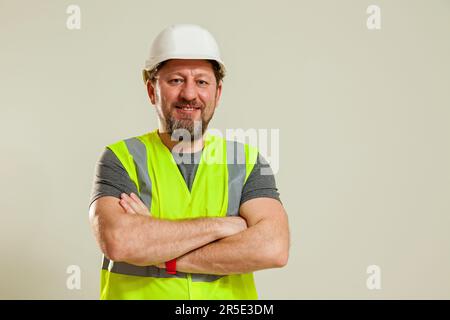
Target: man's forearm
column 261, row 246
column 146, row 240
column 149, row 241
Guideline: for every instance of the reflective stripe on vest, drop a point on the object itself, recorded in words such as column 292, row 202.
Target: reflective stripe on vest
column 237, row 175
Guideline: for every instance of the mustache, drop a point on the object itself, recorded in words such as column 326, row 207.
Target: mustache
column 184, row 103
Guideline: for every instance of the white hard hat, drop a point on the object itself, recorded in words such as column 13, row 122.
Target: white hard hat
column 183, row 41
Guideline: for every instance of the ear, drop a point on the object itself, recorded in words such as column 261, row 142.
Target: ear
column 218, row 93
column 151, row 91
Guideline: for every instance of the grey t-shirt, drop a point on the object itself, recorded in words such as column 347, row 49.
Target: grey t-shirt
column 111, row 178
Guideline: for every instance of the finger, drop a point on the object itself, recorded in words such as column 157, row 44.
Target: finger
column 142, row 208
column 126, row 206
column 138, row 200
column 131, row 202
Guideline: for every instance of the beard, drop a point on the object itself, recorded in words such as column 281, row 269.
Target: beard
column 187, row 128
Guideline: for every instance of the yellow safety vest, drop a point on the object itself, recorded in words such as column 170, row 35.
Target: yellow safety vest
column 216, row 191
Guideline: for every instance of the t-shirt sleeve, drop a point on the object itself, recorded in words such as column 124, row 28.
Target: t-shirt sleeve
column 260, row 183
column 110, row 178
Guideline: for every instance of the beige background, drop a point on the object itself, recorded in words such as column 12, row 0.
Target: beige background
column 363, row 118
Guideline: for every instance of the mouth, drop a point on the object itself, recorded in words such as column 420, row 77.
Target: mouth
column 187, row 109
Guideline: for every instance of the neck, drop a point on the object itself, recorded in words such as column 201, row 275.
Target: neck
column 180, row 146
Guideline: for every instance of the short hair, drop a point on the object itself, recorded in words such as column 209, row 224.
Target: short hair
column 150, row 75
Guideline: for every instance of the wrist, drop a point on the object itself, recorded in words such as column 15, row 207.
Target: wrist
column 222, row 228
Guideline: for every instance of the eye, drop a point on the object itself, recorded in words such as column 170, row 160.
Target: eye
column 202, row 83
column 175, row 81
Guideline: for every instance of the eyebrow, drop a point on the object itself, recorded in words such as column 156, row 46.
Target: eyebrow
column 180, row 74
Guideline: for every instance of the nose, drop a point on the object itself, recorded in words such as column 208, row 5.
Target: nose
column 189, row 90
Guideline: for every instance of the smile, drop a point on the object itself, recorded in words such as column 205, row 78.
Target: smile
column 187, row 108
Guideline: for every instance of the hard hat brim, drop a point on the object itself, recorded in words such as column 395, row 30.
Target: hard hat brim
column 154, row 61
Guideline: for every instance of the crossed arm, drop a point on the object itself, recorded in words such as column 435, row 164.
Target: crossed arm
column 259, row 239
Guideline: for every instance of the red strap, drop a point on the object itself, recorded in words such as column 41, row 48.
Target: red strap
column 171, row 266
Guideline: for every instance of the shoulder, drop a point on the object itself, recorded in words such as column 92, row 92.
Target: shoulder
column 108, row 160
column 121, row 145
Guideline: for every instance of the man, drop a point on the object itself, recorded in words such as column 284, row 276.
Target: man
column 177, row 212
